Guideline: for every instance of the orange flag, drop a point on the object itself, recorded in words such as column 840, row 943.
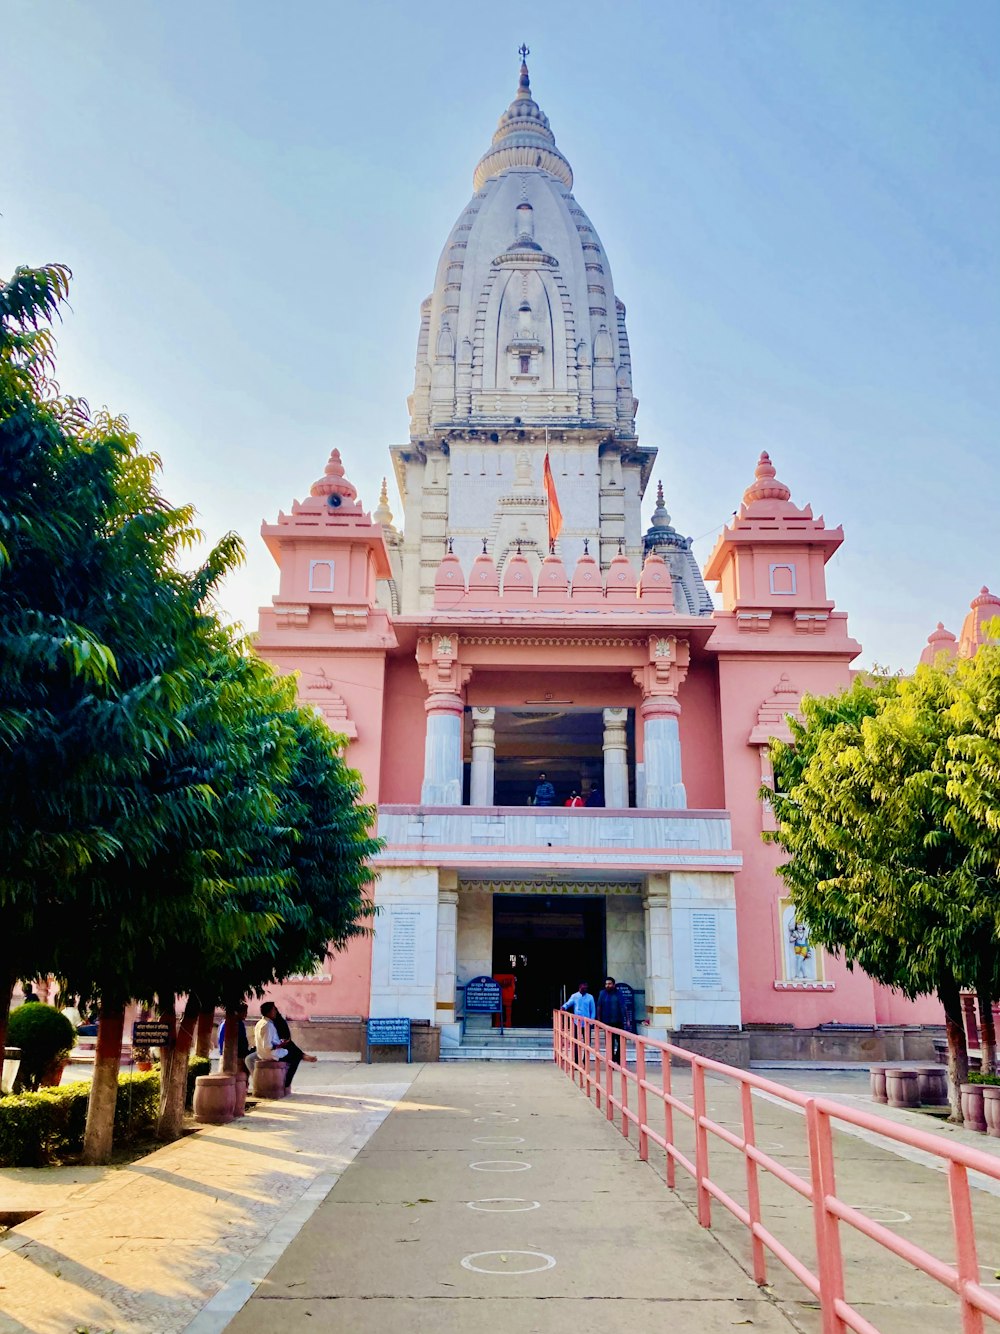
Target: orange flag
column 555, row 513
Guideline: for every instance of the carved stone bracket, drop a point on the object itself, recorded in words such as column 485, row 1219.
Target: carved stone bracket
column 664, row 672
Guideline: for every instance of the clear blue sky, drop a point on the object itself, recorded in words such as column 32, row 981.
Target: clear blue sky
column 800, row 200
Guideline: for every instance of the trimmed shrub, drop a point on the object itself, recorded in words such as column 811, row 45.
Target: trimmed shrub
column 978, row 1077
column 44, row 1127
column 45, row 1038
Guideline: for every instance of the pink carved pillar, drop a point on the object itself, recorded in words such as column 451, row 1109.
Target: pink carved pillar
column 659, row 680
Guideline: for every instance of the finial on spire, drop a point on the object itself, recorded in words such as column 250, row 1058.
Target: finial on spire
column 765, row 485
column 659, row 495
column 519, row 552
column 586, row 546
column 451, row 546
column 621, row 546
column 552, row 546
column 523, row 84
column 484, row 546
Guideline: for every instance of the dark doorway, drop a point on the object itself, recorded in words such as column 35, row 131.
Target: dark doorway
column 550, row 945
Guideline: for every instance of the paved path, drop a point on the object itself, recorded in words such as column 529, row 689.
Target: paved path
column 495, row 1197
column 184, row 1234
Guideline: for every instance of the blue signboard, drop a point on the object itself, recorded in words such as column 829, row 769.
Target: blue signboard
column 628, row 1006
column 483, row 996
column 389, row 1033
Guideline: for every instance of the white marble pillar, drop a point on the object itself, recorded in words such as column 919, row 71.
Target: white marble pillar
column 615, row 759
column 663, row 788
column 659, row 950
column 483, row 757
column 447, row 956
column 442, row 784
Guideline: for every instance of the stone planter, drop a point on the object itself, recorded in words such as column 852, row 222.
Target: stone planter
column 53, row 1075
column 11, row 1065
column 877, row 1077
column 269, row 1079
column 991, row 1108
column 902, row 1088
column 240, row 1100
column 973, row 1113
column 932, row 1081
column 214, row 1096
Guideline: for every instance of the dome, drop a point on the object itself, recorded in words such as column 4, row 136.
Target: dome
column 523, row 325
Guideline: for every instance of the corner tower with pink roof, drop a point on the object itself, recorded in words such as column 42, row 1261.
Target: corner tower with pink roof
column 463, row 656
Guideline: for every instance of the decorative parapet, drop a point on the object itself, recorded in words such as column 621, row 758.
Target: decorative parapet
column 493, row 838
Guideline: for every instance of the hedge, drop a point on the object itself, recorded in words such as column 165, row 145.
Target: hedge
column 37, row 1129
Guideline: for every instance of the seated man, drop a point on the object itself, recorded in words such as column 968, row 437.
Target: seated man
column 268, row 1045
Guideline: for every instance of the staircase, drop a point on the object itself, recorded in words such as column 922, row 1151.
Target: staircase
column 515, row 1044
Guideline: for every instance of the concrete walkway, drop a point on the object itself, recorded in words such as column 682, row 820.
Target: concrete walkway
column 495, row 1197
column 185, row 1234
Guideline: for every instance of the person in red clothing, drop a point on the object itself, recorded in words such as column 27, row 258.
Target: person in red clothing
column 573, row 800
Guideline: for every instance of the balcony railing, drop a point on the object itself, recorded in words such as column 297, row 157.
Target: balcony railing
column 560, row 837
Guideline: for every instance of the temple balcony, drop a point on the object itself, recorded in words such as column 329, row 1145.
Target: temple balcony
column 516, row 838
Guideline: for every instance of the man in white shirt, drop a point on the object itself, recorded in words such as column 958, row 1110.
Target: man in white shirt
column 265, row 1036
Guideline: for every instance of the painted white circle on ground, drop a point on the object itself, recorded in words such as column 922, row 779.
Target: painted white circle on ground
column 497, row 1119
column 499, row 1165
column 507, row 1262
column 992, row 1270
column 497, row 1102
column 498, row 1139
column 882, row 1213
column 512, row 1204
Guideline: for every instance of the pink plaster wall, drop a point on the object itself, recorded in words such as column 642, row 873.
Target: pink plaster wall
column 403, row 733
column 744, row 683
column 701, row 736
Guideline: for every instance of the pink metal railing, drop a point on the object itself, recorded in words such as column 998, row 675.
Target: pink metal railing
column 582, row 1049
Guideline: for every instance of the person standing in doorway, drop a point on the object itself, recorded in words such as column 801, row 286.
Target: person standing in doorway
column 610, row 1011
column 545, row 793
column 580, row 1004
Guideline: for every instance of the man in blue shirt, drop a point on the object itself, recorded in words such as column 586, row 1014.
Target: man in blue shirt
column 581, row 1004
column 545, row 793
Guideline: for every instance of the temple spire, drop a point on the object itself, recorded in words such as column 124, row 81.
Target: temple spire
column 523, row 83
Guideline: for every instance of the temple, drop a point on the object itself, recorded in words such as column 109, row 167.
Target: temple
column 479, row 646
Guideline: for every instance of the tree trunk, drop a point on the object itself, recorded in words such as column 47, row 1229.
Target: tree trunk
column 6, row 992
column 206, row 1021
column 98, row 1137
column 958, row 1055
column 230, row 1052
column 173, row 1074
column 987, row 1029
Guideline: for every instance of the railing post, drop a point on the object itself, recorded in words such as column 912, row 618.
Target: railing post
column 753, row 1189
column 555, row 1040
column 828, row 1254
column 640, row 1101
column 623, row 1076
column 964, row 1231
column 701, row 1144
column 589, row 1031
column 668, row 1117
column 609, row 1077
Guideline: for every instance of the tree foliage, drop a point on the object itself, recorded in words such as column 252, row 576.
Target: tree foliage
column 887, row 802
column 171, row 820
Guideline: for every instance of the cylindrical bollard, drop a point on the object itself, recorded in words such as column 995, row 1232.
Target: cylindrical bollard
column 932, row 1081
column 973, row 1110
column 991, row 1109
column 269, row 1079
column 902, row 1088
column 877, row 1076
column 213, row 1099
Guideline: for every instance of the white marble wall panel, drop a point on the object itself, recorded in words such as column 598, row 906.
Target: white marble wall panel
column 475, row 936
column 706, row 985
column 404, row 950
column 626, row 943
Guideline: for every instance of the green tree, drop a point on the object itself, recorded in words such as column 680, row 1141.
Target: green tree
column 877, row 864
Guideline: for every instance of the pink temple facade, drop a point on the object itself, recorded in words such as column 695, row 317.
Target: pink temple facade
column 463, row 657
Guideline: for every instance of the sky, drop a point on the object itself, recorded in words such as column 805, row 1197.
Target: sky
column 800, row 201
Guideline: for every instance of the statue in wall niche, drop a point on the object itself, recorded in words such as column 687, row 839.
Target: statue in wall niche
column 522, row 469
column 800, row 948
